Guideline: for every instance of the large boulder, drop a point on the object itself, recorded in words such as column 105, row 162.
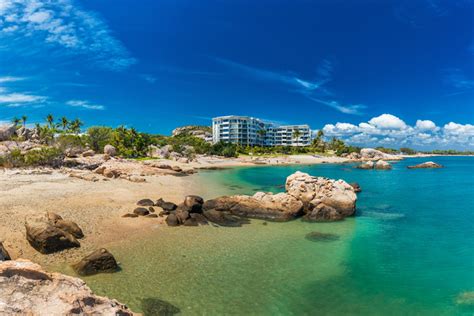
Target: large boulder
column 70, row 227
column 382, row 165
column 110, row 150
column 374, row 154
column 425, row 165
column 322, row 195
column 192, row 204
column 366, row 165
column 4, row 255
column 99, row 261
column 166, row 206
column 47, row 236
column 7, row 132
column 274, row 207
column 27, row 289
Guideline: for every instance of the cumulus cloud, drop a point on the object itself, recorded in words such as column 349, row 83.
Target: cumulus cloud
column 389, row 130
column 64, row 24
column 85, row 104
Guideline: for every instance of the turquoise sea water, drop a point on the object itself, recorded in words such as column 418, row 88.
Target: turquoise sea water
column 408, row 251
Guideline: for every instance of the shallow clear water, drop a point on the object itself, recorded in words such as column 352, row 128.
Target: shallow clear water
column 409, row 250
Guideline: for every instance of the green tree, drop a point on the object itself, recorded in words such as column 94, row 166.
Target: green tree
column 99, row 136
column 296, row 135
column 23, row 120
column 50, row 120
column 75, row 126
column 16, row 120
column 64, row 123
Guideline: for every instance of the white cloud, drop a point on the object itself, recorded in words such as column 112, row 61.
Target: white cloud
column 426, row 125
column 65, row 24
column 16, row 98
column 85, row 105
column 387, row 121
column 9, row 78
column 389, row 130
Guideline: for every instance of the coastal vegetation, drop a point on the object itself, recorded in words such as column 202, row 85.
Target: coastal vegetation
column 57, row 138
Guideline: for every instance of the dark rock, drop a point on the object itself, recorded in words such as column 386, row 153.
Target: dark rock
column 172, row 220
column 317, row 236
column 323, row 213
column 163, row 213
column 157, row 307
column 4, row 255
column 151, row 209
column 70, row 227
column 223, row 218
column 199, row 218
column 99, row 261
column 141, row 211
column 190, row 222
column 193, row 203
column 130, row 215
column 145, row 202
column 356, row 187
column 152, row 215
column 182, row 216
column 167, row 206
column 46, row 238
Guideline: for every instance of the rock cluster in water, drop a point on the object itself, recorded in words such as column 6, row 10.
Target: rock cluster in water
column 26, row 289
column 314, row 198
column 425, row 165
column 380, row 165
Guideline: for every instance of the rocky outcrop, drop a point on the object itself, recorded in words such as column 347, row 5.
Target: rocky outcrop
column 374, row 154
column 4, row 255
column 50, row 233
column 99, row 261
column 426, row 165
column 203, row 132
column 27, row 289
column 274, row 207
column 382, row 165
column 323, row 199
column 110, row 150
column 366, row 165
column 7, row 132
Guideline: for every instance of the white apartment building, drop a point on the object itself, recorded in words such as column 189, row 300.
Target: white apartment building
column 245, row 130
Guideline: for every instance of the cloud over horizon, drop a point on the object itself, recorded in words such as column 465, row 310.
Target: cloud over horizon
column 389, row 130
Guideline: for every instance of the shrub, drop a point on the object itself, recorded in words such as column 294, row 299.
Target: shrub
column 45, row 156
column 99, row 136
column 130, row 143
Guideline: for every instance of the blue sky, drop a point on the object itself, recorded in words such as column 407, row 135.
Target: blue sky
column 372, row 72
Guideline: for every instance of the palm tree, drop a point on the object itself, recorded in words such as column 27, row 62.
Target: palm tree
column 23, row 120
column 50, row 119
column 296, row 135
column 75, row 126
column 64, row 123
column 15, row 120
column 262, row 134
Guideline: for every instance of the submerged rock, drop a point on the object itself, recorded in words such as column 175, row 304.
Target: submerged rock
column 426, row 165
column 157, row 307
column 37, row 292
column 317, row 236
column 366, row 165
column 323, row 199
column 99, row 261
column 223, row 218
column 465, row 298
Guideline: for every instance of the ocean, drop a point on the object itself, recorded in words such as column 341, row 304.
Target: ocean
column 408, row 251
